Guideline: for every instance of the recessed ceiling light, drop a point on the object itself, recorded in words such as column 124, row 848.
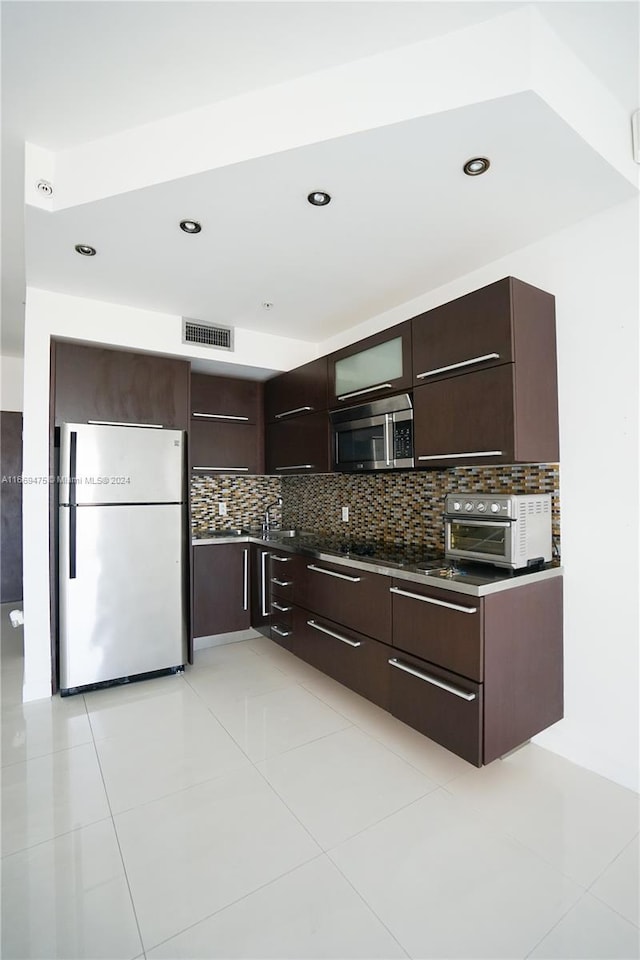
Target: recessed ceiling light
column 476, row 166
column 190, row 226
column 318, row 198
column 85, row 250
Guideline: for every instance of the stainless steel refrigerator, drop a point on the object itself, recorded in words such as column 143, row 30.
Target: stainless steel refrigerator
column 122, row 553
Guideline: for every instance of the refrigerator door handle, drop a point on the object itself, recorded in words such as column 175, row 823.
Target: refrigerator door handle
column 73, row 458
column 72, row 542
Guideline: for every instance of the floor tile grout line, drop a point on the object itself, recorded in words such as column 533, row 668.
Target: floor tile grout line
column 613, row 909
column 57, row 836
column 226, row 906
column 611, row 862
column 115, row 832
column 522, row 843
column 556, row 924
column 368, row 905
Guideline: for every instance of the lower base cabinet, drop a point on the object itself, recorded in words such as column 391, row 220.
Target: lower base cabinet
column 220, row 589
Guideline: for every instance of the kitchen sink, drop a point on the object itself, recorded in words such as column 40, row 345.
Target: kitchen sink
column 235, row 532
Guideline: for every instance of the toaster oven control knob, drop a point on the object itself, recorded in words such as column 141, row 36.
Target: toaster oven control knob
column 456, row 505
column 495, row 508
column 468, row 506
column 482, row 507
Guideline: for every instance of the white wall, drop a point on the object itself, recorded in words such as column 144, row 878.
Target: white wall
column 50, row 315
column 593, row 271
column 11, row 377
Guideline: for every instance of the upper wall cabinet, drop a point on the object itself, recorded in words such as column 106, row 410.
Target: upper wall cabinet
column 490, row 326
column 224, row 399
column 92, row 383
column 297, row 392
column 485, row 378
column 226, row 434
column 372, row 368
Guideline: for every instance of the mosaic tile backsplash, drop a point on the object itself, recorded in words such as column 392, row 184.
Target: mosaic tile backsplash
column 388, row 507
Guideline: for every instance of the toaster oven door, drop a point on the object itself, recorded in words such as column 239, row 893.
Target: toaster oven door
column 489, row 540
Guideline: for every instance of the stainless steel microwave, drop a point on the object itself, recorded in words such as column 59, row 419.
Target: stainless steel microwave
column 374, row 436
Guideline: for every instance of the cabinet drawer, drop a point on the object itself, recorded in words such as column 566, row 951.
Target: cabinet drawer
column 281, row 570
column 358, row 662
column 348, row 596
column 282, row 623
column 440, row 626
column 439, row 704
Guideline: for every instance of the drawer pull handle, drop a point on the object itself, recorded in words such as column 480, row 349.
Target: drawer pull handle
column 280, row 559
column 222, row 469
column 456, row 366
column 459, row 456
column 436, row 683
column 332, row 573
column 218, row 416
column 120, row 423
column 278, row 606
column 297, row 466
column 317, row 626
column 358, row 393
column 281, row 633
column 289, row 413
column 438, row 603
column 281, row 583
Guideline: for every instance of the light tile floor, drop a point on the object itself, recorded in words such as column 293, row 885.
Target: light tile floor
column 254, row 808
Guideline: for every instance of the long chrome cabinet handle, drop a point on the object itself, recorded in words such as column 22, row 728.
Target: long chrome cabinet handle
column 280, row 559
column 456, row 366
column 332, row 573
column 298, row 466
column 222, row 469
column 458, row 456
column 245, row 562
column 119, row 423
column 438, row 603
column 281, row 583
column 218, row 416
column 359, row 393
column 281, row 633
column 436, row 683
column 316, row 626
column 289, row 413
column 280, row 608
column 263, row 582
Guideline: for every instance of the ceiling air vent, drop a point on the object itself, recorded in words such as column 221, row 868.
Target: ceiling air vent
column 207, row 334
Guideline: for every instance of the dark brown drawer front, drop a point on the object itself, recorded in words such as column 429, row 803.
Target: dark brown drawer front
column 282, row 624
column 358, row 662
column 446, row 713
column 354, row 598
column 283, row 572
column 440, row 626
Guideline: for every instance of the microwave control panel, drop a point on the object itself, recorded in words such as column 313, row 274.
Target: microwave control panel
column 403, row 440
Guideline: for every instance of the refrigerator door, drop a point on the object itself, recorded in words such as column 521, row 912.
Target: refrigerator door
column 104, row 464
column 122, row 591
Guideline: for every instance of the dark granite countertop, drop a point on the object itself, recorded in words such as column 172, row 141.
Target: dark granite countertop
column 409, row 562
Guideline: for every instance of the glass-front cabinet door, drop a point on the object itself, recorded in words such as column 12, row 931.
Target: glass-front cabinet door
column 375, row 367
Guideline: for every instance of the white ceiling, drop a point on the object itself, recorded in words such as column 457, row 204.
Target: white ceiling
column 403, row 219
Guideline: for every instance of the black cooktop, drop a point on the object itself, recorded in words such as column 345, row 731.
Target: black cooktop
column 398, row 554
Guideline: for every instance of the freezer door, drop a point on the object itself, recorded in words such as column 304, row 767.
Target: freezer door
column 122, row 591
column 100, row 464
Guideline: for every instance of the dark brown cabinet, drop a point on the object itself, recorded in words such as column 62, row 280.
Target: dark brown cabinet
column 375, row 367
column 297, row 392
column 283, row 575
column 484, row 371
column 220, row 588
column 298, row 445
column 92, row 383
column 226, row 425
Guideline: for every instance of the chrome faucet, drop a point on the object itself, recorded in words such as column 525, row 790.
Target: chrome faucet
column 266, row 523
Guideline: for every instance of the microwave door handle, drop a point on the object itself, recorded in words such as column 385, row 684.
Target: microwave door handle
column 388, row 427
